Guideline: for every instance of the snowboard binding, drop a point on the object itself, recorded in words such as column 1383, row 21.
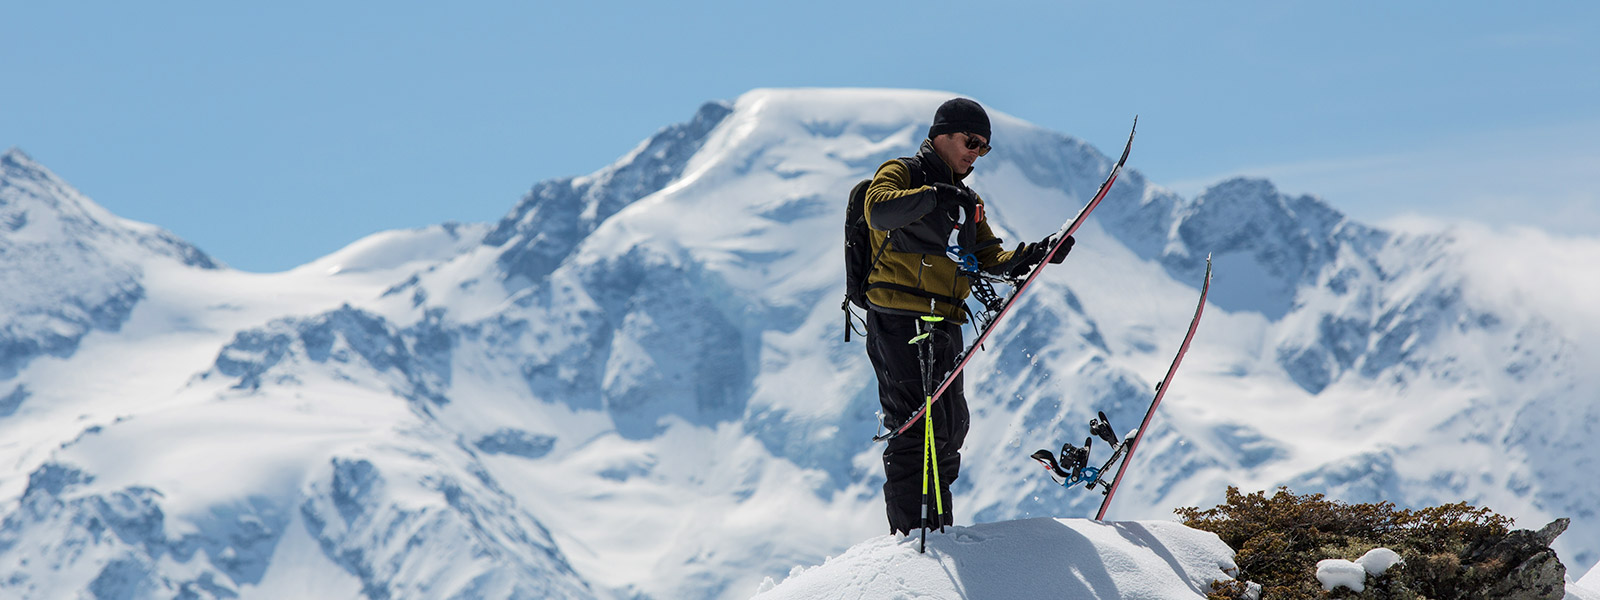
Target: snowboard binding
column 1073, row 459
column 1073, row 467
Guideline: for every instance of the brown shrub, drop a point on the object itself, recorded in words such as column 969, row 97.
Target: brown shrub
column 1278, row 541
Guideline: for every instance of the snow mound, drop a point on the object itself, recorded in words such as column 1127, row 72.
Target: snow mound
column 1032, row 558
column 1378, row 560
column 1334, row 573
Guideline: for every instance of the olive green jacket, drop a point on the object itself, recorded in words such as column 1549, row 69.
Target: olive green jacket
column 905, row 218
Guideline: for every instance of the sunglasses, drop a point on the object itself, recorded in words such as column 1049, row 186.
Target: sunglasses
column 973, row 143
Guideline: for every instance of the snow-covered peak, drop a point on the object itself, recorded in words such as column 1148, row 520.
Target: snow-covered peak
column 548, row 223
column 32, row 187
column 39, row 209
column 1266, row 244
column 766, row 184
column 70, row 266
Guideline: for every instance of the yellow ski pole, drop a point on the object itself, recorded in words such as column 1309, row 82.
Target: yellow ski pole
column 930, row 455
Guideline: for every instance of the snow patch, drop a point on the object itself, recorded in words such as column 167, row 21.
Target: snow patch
column 1378, row 560
column 1337, row 572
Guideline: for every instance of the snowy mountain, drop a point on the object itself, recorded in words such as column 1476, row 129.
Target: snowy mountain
column 633, row 385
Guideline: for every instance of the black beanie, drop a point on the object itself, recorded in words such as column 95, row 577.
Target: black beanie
column 960, row 115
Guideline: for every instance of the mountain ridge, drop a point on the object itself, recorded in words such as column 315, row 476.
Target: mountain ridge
column 80, row 275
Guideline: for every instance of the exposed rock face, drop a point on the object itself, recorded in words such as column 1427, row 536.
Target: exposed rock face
column 1530, row 569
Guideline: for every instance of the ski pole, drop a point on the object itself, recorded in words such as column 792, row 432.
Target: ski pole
column 932, row 450
column 926, row 456
column 924, row 341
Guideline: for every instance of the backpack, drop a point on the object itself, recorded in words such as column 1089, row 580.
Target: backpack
column 859, row 260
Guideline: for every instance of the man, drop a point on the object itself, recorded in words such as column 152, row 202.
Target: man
column 912, row 207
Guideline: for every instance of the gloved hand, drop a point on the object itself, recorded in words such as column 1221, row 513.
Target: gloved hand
column 1061, row 255
column 952, row 196
column 1026, row 256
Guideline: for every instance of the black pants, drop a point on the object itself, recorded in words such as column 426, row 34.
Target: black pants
column 900, row 391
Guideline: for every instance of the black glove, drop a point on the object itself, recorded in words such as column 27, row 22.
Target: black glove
column 1026, row 256
column 1061, row 255
column 952, row 197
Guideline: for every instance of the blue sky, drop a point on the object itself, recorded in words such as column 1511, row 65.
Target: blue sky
column 272, row 134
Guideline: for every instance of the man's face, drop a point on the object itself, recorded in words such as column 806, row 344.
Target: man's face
column 960, row 150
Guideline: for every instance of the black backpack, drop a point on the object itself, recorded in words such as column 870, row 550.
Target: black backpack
column 859, row 260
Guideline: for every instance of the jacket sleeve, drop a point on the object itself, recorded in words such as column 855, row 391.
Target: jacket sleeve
column 891, row 201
